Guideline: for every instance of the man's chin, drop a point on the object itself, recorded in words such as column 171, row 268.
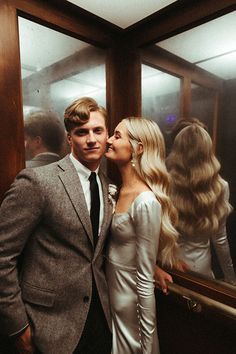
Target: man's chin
column 94, row 158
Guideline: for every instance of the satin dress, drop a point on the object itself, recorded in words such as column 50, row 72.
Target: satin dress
column 131, row 260
column 196, row 251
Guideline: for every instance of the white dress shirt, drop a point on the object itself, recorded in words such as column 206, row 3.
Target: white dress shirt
column 84, row 173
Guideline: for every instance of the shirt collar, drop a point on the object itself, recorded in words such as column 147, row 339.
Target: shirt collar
column 47, row 153
column 80, row 168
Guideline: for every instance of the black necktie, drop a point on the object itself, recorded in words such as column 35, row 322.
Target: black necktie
column 95, row 206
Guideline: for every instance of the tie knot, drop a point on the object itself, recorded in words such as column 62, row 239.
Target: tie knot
column 92, row 177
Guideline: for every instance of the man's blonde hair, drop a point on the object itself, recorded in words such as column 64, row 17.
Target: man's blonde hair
column 78, row 112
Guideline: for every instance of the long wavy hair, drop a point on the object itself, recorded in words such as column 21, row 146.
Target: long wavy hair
column 197, row 190
column 150, row 167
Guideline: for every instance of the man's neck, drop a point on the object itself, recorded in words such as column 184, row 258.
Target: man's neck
column 92, row 166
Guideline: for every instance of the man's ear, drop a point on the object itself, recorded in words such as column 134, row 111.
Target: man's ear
column 68, row 138
column 38, row 141
column 140, row 148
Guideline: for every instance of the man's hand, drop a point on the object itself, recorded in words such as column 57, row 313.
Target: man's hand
column 161, row 278
column 24, row 342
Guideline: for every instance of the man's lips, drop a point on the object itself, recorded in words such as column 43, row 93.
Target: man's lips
column 92, row 149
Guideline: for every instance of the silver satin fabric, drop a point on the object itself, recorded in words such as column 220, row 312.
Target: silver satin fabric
column 131, row 259
column 196, row 252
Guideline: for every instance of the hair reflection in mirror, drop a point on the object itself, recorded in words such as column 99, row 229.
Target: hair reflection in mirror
column 183, row 123
column 44, row 138
column 201, row 198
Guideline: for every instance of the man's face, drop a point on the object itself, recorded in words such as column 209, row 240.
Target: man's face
column 88, row 141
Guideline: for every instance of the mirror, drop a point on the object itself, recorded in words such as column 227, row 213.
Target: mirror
column 203, row 62
column 56, row 69
column 161, row 99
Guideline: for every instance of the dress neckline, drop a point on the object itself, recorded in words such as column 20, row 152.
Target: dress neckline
column 135, row 199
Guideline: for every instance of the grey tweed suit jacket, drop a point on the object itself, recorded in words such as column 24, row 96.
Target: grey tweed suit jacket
column 44, row 220
column 42, row 160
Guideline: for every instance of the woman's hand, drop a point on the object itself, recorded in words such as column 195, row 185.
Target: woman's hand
column 161, row 279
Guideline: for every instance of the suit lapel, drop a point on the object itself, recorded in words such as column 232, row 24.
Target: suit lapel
column 71, row 182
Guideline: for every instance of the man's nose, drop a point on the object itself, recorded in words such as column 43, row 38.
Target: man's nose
column 91, row 139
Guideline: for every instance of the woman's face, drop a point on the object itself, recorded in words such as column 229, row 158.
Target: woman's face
column 119, row 148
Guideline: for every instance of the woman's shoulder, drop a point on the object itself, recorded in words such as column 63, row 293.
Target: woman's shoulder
column 224, row 183
column 145, row 207
column 145, row 197
column 225, row 187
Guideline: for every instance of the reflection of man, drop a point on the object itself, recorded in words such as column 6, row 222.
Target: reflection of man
column 44, row 137
column 59, row 302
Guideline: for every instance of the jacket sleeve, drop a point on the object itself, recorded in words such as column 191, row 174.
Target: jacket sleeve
column 147, row 227
column 221, row 246
column 20, row 212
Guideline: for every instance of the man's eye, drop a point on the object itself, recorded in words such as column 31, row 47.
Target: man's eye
column 99, row 131
column 81, row 132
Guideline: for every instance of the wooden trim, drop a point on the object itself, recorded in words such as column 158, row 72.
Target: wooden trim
column 185, row 102
column 11, row 116
column 123, row 83
column 67, row 18
column 162, row 59
column 200, row 303
column 210, row 288
column 215, row 119
column 123, row 71
column 176, row 18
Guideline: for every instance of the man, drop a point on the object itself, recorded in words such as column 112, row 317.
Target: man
column 59, row 304
column 44, row 138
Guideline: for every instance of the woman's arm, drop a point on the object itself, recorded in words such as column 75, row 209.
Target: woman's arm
column 147, row 227
column 221, row 245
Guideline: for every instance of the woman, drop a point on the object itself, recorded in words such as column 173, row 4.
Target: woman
column 201, row 198
column 141, row 232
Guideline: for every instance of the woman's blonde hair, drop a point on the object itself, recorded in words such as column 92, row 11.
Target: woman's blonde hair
column 150, row 167
column 198, row 191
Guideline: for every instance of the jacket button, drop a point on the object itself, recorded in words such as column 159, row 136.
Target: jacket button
column 86, row 299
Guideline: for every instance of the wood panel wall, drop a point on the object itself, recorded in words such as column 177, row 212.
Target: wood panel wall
column 11, row 115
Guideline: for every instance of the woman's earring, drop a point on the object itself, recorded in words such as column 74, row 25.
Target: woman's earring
column 132, row 161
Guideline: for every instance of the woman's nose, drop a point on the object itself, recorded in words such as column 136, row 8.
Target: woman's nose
column 110, row 140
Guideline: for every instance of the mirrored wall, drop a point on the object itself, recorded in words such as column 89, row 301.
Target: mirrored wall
column 161, row 99
column 56, row 69
column 190, row 75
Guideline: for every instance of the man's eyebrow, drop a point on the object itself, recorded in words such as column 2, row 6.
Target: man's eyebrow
column 99, row 127
column 80, row 129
